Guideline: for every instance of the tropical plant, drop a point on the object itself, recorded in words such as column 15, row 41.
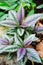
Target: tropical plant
column 20, row 35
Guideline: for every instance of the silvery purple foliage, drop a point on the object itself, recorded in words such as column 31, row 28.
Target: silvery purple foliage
column 4, row 41
column 30, row 53
column 38, row 29
column 17, row 20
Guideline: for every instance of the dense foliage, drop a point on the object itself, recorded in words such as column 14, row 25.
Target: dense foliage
column 20, row 28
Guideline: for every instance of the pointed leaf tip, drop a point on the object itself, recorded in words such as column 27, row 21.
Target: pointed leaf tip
column 20, row 54
column 4, row 41
column 29, row 40
column 20, row 15
column 33, row 55
column 13, row 15
column 30, row 21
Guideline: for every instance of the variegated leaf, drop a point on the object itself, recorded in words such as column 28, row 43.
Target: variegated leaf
column 20, row 54
column 17, row 40
column 8, row 23
column 9, row 48
column 10, row 39
column 4, row 41
column 31, row 20
column 29, row 40
column 20, row 31
column 20, row 15
column 13, row 15
column 39, row 30
column 33, row 55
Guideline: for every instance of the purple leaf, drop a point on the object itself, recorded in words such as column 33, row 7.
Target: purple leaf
column 20, row 54
column 38, row 29
column 28, row 43
column 31, row 20
column 8, row 23
column 20, row 15
column 4, row 41
column 2, row 46
column 33, row 55
column 29, row 40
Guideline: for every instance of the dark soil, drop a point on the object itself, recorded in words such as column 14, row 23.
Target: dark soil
column 38, row 2
column 29, row 63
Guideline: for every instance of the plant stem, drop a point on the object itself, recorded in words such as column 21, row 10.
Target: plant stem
column 32, row 63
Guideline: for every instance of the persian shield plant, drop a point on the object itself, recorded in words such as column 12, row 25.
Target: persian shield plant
column 20, row 35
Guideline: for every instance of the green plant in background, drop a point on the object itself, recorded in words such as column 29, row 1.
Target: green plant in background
column 14, row 4
column 28, row 5
column 40, row 6
column 18, row 38
column 7, row 5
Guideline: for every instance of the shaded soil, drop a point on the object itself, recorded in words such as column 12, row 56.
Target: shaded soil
column 38, row 2
column 29, row 63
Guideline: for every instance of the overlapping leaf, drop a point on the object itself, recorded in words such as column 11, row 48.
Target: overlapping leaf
column 4, row 41
column 20, row 15
column 8, row 48
column 39, row 29
column 17, row 40
column 33, row 55
column 29, row 40
column 8, row 23
column 17, row 19
column 31, row 20
column 20, row 54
